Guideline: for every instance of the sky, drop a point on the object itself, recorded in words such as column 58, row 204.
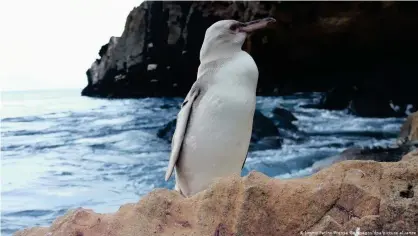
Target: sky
column 48, row 44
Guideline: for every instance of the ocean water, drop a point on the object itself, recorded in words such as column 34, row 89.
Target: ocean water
column 61, row 151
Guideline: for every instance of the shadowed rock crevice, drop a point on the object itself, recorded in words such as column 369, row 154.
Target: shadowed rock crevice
column 408, row 193
column 325, row 217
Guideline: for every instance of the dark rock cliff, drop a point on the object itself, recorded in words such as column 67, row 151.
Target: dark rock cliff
column 315, row 46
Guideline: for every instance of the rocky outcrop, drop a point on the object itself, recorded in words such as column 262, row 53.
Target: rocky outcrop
column 313, row 46
column 380, row 154
column 285, row 118
column 370, row 105
column 167, row 131
column 406, row 143
column 364, row 103
column 262, row 127
column 265, row 134
column 409, row 130
column 337, row 98
column 351, row 195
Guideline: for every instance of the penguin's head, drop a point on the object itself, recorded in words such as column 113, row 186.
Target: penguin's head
column 227, row 36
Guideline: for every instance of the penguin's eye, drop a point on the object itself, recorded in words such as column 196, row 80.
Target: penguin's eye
column 234, row 27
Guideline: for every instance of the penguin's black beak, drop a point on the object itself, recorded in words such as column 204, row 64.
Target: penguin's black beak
column 254, row 25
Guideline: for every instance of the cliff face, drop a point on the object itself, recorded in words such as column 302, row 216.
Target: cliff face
column 313, row 46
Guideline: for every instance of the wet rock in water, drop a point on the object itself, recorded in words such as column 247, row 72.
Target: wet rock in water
column 263, row 127
column 166, row 106
column 167, row 131
column 372, row 196
column 272, row 142
column 380, row 154
column 265, row 134
column 284, row 118
column 337, row 98
column 407, row 142
column 360, row 102
column 284, row 114
column 369, row 105
column 366, row 101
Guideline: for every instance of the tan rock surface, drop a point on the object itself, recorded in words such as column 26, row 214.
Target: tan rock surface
column 413, row 134
column 377, row 196
column 410, row 156
column 409, row 129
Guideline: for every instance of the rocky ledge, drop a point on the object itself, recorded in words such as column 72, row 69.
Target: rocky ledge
column 365, row 51
column 372, row 196
column 349, row 195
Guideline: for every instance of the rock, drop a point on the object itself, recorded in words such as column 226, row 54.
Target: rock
column 100, row 69
column 284, row 118
column 362, row 102
column 263, row 127
column 413, row 131
column 410, row 156
column 406, row 143
column 284, row 114
column 316, row 46
column 370, row 105
column 265, row 134
column 372, row 196
column 380, row 154
column 337, row 98
column 167, row 131
column 409, row 130
column 272, row 142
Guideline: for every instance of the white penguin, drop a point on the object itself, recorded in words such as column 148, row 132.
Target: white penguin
column 214, row 125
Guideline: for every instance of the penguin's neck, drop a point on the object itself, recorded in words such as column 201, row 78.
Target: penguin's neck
column 215, row 49
column 236, row 70
column 220, row 54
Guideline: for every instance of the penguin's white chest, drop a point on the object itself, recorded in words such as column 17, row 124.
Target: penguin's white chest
column 221, row 125
column 227, row 112
column 217, row 138
column 222, row 121
column 219, row 130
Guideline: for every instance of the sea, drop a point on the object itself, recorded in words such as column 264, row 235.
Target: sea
column 61, row 151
